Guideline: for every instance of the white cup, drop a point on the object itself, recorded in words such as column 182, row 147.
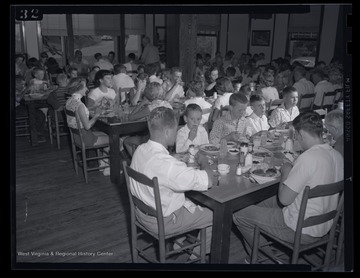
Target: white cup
column 223, row 169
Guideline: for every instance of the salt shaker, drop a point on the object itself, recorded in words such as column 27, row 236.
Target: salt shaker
column 215, row 95
column 248, row 159
column 289, row 144
column 238, row 170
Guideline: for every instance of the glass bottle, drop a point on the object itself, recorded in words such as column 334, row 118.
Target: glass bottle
column 223, row 148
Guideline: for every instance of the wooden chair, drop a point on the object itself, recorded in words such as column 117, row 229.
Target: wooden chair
column 296, row 247
column 57, row 128
column 80, row 150
column 22, row 126
column 160, row 238
column 127, row 94
column 308, row 99
column 331, row 96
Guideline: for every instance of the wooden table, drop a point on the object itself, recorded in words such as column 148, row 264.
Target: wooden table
column 115, row 130
column 233, row 193
column 32, row 104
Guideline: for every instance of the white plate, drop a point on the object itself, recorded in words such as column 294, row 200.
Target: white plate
column 233, row 151
column 210, row 148
column 255, row 173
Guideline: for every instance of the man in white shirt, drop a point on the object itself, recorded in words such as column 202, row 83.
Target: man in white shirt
column 302, row 85
column 288, row 110
column 174, row 177
column 257, row 121
column 173, row 87
column 150, row 53
column 121, row 80
column 102, row 63
column 318, row 164
column 322, row 86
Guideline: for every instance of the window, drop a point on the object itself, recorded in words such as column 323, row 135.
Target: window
column 207, row 42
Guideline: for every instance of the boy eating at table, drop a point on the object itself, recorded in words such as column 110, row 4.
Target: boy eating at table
column 232, row 124
column 257, row 121
column 174, row 177
column 287, row 111
column 193, row 133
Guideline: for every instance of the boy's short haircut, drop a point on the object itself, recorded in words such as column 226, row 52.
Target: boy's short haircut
column 162, row 118
column 36, row 70
column 197, row 87
column 176, row 69
column 238, row 98
column 335, row 117
column 256, row 97
column 152, row 91
column 118, row 68
column 61, row 77
column 97, row 55
column 245, row 89
column 288, row 90
column 238, row 80
column 230, row 71
column 131, row 56
column 192, row 107
column 100, row 75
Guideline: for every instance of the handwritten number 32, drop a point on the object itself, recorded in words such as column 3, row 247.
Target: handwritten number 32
column 32, row 14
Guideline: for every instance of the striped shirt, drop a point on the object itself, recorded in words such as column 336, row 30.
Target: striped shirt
column 224, row 126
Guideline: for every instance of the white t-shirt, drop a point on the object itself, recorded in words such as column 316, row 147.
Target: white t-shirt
column 203, row 104
column 122, row 80
column 183, row 142
column 281, row 115
column 96, row 95
column 320, row 164
column 320, row 88
column 222, row 100
column 270, row 93
column 153, row 78
column 255, row 124
column 174, row 177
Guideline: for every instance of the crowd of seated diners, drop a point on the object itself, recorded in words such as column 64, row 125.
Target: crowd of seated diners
column 226, row 98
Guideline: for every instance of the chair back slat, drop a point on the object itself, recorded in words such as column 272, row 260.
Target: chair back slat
column 328, row 95
column 309, row 99
column 326, row 189
column 319, row 219
column 75, row 131
column 152, row 183
column 317, row 192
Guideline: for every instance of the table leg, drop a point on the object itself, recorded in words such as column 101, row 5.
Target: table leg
column 114, row 158
column 220, row 242
column 32, row 123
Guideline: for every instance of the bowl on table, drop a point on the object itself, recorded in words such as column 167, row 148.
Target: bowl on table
column 223, row 168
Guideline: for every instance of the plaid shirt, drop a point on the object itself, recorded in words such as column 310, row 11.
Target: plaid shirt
column 224, row 126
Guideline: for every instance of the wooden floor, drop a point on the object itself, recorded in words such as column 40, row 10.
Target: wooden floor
column 60, row 219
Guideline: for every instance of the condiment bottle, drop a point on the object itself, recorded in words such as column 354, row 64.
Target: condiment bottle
column 215, row 95
column 192, row 154
column 289, row 144
column 248, row 159
column 238, row 170
column 223, row 148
